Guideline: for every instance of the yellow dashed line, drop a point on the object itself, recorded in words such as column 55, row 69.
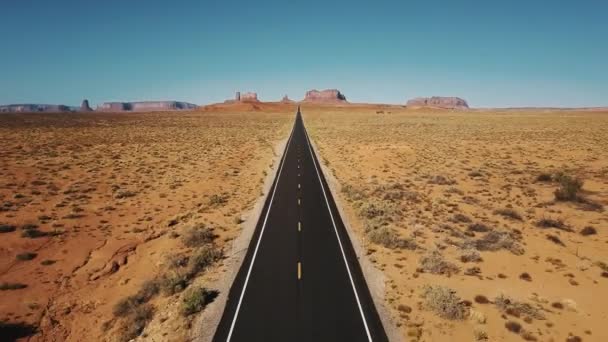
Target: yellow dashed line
column 299, row 270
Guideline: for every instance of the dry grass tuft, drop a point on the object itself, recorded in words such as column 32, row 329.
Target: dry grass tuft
column 444, row 302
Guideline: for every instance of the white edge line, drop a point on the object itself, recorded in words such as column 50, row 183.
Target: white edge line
column 369, row 336
column 257, row 246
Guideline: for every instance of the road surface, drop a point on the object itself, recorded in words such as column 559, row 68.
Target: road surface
column 300, row 279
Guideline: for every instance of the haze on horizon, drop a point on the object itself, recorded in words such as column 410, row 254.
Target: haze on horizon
column 494, row 54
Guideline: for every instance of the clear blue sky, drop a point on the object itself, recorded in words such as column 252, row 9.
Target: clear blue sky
column 493, row 53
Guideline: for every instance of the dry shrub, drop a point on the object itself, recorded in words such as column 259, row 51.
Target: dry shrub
column 569, row 188
column 494, row 241
column 513, row 327
column 198, row 235
column 509, row 213
column 195, row 300
column 444, row 302
column 433, row 262
column 556, row 240
column 547, row 222
column 203, row 258
column 515, row 308
column 390, row 239
column 136, row 321
column 589, row 230
column 470, row 255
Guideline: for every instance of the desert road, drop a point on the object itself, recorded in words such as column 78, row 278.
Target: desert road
column 300, row 279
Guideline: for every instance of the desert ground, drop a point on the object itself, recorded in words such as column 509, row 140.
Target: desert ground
column 116, row 225
column 489, row 225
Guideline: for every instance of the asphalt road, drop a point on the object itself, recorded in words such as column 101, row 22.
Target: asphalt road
column 300, row 279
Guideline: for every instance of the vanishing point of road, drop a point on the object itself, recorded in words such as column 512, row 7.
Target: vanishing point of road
column 300, row 279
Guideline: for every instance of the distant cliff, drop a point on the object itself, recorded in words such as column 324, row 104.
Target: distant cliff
column 439, row 102
column 144, row 106
column 34, row 108
column 325, row 96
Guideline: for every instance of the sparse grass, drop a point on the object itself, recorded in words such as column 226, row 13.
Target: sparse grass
column 433, row 262
column 195, row 300
column 11, row 286
column 198, row 236
column 444, row 302
column 173, row 283
column 218, row 200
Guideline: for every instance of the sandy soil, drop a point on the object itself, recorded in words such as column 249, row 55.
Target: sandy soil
column 459, row 211
column 95, row 208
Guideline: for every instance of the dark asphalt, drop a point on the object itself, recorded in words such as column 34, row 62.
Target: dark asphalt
column 327, row 299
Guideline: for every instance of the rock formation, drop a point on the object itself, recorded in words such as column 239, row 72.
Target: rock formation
column 286, row 99
column 325, row 96
column 145, row 106
column 34, row 108
column 438, row 102
column 249, row 97
column 84, row 107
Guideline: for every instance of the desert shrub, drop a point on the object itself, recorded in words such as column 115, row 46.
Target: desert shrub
column 390, row 239
column 120, row 194
column 478, row 227
column 148, row 290
column 195, row 300
column 198, row 236
column 351, row 193
column 441, row 180
column 509, row 213
column 171, row 284
column 480, row 299
column 433, row 262
column 544, row 177
column 11, row 286
column 556, row 240
column 217, row 200
column 461, row 218
column 7, row 228
column 588, row 231
column 33, row 233
column 470, row 255
column 47, row 262
column 569, row 188
column 513, row 327
column 515, row 308
column 203, row 258
column 496, row 240
column 376, row 209
column 136, row 322
column 547, row 222
column 26, row 256
column 444, row 302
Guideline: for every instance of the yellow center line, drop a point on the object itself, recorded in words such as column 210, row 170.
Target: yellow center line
column 299, row 270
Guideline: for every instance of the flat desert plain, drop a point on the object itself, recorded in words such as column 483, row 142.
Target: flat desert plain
column 116, row 225
column 489, row 225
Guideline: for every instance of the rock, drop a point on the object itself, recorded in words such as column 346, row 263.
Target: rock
column 286, row 99
column 249, row 97
column 84, row 107
column 439, row 102
column 145, row 106
column 325, row 96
